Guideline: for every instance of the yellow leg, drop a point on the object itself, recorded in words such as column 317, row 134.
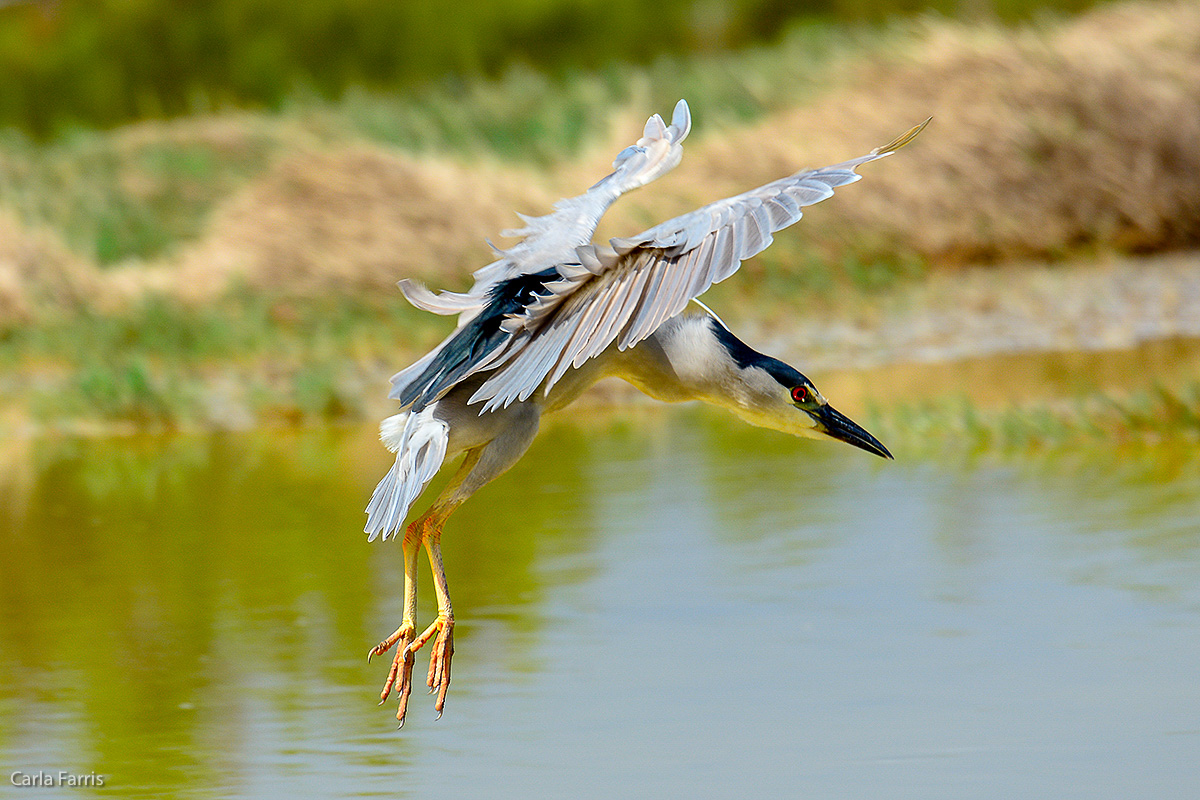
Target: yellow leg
column 402, row 663
column 426, row 530
column 438, row 678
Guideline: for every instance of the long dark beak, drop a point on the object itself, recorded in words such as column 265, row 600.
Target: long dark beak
column 837, row 425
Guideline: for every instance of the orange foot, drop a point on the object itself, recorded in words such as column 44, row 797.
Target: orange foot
column 400, row 675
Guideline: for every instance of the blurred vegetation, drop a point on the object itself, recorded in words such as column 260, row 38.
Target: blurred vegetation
column 113, row 198
column 163, row 364
column 138, row 192
column 101, row 63
column 249, row 362
column 239, row 267
column 958, row 425
column 1005, row 155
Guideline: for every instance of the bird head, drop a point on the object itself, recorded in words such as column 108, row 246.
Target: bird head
column 827, row 421
column 768, row 393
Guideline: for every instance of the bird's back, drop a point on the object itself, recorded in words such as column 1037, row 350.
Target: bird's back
column 468, row 350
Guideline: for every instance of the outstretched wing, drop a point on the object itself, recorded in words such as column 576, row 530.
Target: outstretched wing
column 551, row 240
column 623, row 292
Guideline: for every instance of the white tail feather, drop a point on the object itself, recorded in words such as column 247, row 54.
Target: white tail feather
column 419, row 442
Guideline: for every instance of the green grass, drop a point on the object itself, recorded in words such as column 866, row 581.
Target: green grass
column 132, row 390
column 113, row 197
column 531, row 117
column 958, row 426
column 163, row 364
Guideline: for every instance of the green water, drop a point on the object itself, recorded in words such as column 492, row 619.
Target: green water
column 651, row 605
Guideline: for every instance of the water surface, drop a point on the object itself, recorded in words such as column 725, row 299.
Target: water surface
column 651, row 605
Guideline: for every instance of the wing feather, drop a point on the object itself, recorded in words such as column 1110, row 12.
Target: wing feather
column 539, row 366
column 615, row 314
column 658, row 304
column 590, row 318
column 680, row 278
column 630, row 293
column 644, row 309
column 536, row 358
column 622, row 295
column 550, row 240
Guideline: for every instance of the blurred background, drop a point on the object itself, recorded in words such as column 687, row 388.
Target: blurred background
column 204, row 210
column 219, row 198
column 108, row 63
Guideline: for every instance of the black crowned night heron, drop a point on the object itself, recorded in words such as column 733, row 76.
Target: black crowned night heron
column 554, row 314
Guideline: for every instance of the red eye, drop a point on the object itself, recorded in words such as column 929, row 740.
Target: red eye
column 800, row 394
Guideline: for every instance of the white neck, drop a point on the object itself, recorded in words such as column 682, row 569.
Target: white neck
column 685, row 360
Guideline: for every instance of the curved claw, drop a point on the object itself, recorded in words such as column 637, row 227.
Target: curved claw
column 399, row 678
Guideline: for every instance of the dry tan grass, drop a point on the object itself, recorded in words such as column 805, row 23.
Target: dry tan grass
column 1044, row 141
column 37, row 272
column 350, row 222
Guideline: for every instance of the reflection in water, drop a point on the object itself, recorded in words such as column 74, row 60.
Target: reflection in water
column 680, row 606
